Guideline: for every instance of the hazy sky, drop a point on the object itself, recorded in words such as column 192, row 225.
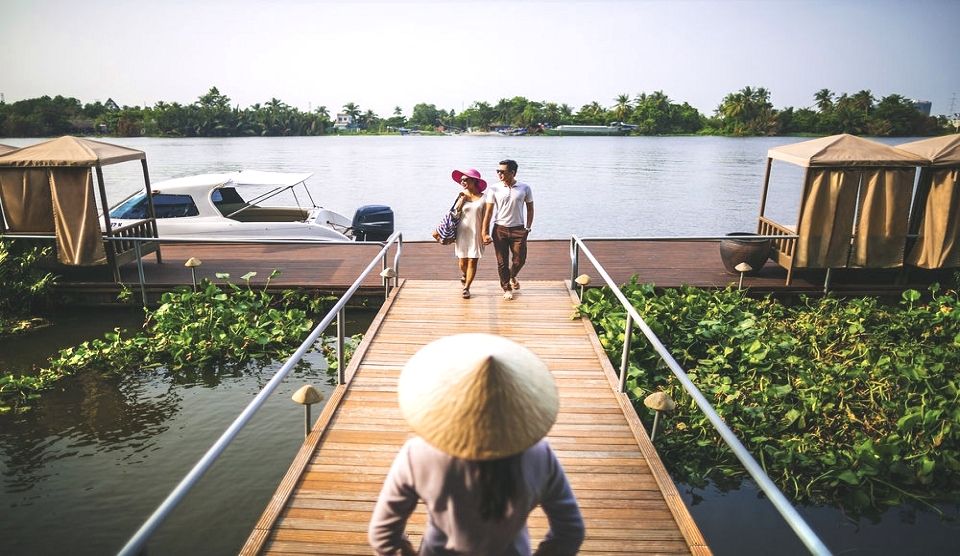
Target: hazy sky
column 385, row 54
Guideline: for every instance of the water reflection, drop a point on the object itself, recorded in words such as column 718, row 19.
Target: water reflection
column 93, row 458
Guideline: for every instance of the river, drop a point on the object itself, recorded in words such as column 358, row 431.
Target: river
column 80, row 472
column 588, row 186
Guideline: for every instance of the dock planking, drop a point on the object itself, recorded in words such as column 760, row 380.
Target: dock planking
column 334, row 267
column 630, row 505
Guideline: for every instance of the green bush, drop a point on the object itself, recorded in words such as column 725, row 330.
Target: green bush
column 853, row 401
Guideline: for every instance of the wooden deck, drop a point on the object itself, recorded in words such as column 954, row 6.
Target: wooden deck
column 630, row 505
column 334, row 267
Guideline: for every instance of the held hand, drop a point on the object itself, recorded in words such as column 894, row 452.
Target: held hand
column 487, row 240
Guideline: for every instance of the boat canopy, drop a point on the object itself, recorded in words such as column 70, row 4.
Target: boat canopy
column 236, row 179
column 936, row 209
column 7, row 148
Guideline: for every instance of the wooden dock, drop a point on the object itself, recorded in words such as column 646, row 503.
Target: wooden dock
column 334, row 267
column 630, row 505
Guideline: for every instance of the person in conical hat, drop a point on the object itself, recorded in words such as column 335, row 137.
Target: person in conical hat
column 480, row 406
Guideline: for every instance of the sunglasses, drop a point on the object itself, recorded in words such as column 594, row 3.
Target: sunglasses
column 502, row 172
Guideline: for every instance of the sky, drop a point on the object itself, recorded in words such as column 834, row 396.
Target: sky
column 380, row 55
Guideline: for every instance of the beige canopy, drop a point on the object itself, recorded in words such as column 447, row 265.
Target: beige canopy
column 936, row 209
column 7, row 148
column 49, row 188
column 843, row 151
column 70, row 151
column 854, row 207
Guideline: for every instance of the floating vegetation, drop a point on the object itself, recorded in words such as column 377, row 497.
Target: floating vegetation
column 24, row 286
column 841, row 401
column 190, row 330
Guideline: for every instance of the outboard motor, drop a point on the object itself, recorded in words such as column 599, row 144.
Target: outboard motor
column 372, row 223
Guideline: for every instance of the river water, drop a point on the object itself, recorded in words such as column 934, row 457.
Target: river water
column 80, row 472
column 588, row 186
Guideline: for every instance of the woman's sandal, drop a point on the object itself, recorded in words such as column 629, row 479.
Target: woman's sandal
column 466, row 293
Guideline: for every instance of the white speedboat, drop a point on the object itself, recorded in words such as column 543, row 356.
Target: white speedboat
column 229, row 205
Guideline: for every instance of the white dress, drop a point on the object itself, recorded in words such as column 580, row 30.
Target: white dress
column 468, row 244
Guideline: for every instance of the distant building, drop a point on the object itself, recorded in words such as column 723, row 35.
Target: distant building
column 110, row 105
column 344, row 121
column 922, row 106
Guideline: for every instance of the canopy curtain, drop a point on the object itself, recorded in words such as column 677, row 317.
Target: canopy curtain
column 75, row 215
column 826, row 220
column 25, row 196
column 884, row 206
column 59, row 201
column 939, row 243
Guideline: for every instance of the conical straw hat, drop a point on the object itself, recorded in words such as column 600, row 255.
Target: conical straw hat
column 478, row 396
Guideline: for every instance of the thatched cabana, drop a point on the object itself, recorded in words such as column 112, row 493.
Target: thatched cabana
column 935, row 218
column 854, row 206
column 48, row 188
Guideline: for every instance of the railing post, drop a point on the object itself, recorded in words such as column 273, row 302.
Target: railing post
column 625, row 360
column 574, row 261
column 341, row 327
column 143, row 280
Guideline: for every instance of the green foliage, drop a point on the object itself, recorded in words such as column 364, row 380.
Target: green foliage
column 24, row 287
column 190, row 330
column 745, row 112
column 853, row 401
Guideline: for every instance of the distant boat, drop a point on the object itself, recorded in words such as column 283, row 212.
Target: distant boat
column 615, row 128
column 513, row 131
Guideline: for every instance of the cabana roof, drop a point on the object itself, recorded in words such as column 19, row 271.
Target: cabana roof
column 843, row 151
column 7, row 148
column 69, row 151
column 938, row 151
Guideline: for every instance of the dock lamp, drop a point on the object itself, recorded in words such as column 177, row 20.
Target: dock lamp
column 583, row 280
column 192, row 263
column 658, row 401
column 387, row 274
column 307, row 395
column 742, row 268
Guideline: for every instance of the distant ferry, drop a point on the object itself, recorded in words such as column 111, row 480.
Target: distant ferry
column 615, row 128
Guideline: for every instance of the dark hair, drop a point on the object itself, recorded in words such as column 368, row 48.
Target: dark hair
column 499, row 483
column 511, row 165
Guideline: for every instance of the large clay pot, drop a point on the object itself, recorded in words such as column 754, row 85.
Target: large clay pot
column 741, row 248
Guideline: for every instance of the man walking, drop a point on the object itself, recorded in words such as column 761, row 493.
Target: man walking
column 506, row 204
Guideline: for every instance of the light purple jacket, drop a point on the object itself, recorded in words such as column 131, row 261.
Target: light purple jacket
column 448, row 486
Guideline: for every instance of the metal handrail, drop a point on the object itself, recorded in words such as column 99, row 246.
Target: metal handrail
column 786, row 509
column 137, row 541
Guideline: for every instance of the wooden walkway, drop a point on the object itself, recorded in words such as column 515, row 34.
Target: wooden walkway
column 334, row 267
column 630, row 505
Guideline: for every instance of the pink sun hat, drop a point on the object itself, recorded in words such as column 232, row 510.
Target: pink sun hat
column 471, row 173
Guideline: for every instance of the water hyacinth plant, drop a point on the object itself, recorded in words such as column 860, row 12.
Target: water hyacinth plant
column 190, row 330
column 841, row 401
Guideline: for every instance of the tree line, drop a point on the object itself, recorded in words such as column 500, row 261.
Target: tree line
column 747, row 112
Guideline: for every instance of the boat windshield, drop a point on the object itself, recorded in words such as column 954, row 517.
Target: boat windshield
column 166, row 206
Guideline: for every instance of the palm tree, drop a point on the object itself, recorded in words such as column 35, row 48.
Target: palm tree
column 622, row 108
column 824, row 98
column 324, row 116
column 352, row 110
column 863, row 100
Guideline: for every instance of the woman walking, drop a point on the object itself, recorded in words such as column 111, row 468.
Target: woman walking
column 480, row 405
column 469, row 244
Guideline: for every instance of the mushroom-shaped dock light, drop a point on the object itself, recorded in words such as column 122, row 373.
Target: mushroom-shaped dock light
column 307, row 395
column 387, row 274
column 742, row 268
column 192, row 263
column 658, row 401
column 583, row 281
